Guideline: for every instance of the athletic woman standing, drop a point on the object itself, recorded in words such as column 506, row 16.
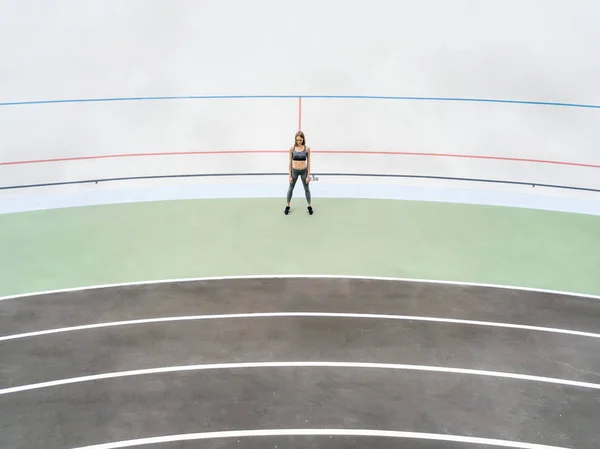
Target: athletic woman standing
column 299, row 166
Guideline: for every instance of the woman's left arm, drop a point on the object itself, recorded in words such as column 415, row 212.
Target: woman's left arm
column 307, row 163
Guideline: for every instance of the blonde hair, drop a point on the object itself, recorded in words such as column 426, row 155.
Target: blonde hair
column 301, row 134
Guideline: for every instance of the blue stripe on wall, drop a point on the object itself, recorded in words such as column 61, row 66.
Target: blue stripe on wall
column 208, row 97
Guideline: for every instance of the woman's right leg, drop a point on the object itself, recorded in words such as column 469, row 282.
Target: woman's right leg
column 292, row 185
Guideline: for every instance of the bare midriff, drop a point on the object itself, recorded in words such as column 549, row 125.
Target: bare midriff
column 299, row 165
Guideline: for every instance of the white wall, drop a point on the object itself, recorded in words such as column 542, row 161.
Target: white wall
column 541, row 51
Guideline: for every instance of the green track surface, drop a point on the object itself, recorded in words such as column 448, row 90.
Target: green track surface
column 74, row 247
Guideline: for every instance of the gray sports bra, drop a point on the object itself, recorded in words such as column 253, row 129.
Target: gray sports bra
column 299, row 155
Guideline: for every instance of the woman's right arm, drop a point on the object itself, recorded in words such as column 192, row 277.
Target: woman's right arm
column 290, row 167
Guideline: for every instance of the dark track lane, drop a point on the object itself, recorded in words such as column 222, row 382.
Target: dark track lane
column 141, row 346
column 300, row 397
column 188, row 402
column 297, row 295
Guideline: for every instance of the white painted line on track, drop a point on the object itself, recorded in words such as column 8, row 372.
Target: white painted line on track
column 301, row 276
column 323, row 432
column 295, row 314
column 314, row 364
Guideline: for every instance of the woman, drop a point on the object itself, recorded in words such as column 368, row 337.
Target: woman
column 299, row 166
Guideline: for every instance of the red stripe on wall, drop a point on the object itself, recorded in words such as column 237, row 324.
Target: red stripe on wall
column 363, row 152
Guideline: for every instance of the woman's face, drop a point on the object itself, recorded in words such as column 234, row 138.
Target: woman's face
column 299, row 140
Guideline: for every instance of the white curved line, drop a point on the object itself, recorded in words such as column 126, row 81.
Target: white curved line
column 301, row 276
column 216, row 366
column 324, row 432
column 296, row 314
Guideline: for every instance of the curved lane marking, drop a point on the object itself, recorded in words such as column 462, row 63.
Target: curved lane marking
column 323, row 432
column 299, row 276
column 295, row 314
column 309, row 364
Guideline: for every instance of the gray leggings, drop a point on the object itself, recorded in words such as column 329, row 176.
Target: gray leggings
column 302, row 174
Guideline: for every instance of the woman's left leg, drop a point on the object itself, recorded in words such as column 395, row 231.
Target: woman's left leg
column 303, row 177
column 305, row 185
